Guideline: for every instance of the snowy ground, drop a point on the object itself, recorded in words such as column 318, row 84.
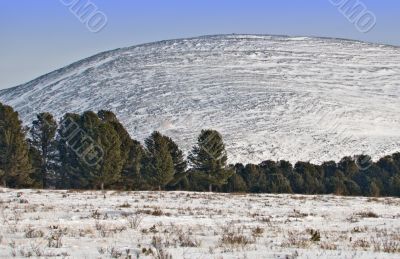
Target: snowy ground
column 195, row 225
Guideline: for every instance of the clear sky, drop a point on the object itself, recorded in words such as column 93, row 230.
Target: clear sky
column 37, row 37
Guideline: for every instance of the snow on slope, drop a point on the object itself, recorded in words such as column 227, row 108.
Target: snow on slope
column 272, row 97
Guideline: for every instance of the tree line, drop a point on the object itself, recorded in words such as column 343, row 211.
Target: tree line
column 95, row 151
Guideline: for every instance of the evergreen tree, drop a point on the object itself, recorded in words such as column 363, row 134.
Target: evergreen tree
column 36, row 161
column 90, row 151
column 132, row 153
column 132, row 173
column 276, row 182
column 15, row 166
column 43, row 133
column 312, row 176
column 71, row 176
column 99, row 151
column 108, row 171
column 236, row 184
column 253, row 178
column 179, row 162
column 160, row 166
column 209, row 158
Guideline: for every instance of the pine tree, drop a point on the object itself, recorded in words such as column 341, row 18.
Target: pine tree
column 131, row 152
column 208, row 158
column 90, row 151
column 15, row 166
column 108, row 171
column 43, row 133
column 36, row 161
column 132, row 173
column 179, row 162
column 71, row 176
column 99, row 151
column 160, row 166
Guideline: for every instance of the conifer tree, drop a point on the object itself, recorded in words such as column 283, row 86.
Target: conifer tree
column 90, row 151
column 43, row 133
column 15, row 166
column 209, row 159
column 108, row 171
column 99, row 155
column 131, row 152
column 36, row 161
column 179, row 162
column 71, row 176
column 160, row 165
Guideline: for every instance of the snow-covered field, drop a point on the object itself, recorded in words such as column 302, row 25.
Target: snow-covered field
column 92, row 224
column 271, row 97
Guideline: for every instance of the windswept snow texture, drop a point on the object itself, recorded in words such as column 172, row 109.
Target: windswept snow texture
column 272, row 97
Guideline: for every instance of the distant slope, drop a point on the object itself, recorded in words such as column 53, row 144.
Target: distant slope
column 272, row 97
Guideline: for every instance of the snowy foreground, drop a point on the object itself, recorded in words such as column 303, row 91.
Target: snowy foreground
column 196, row 225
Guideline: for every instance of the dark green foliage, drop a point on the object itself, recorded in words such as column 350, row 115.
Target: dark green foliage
column 160, row 165
column 43, row 133
column 132, row 173
column 15, row 165
column 108, row 171
column 180, row 165
column 312, row 176
column 36, row 161
column 131, row 152
column 208, row 159
column 94, row 150
column 90, row 150
column 70, row 174
column 276, row 182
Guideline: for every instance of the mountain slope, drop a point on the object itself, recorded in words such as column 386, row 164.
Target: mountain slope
column 272, row 97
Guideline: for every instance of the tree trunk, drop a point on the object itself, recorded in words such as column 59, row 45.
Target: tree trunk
column 44, row 179
column 102, row 186
column 210, row 187
column 159, row 188
column 4, row 183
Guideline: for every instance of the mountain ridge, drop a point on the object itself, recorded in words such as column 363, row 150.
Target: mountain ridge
column 253, row 79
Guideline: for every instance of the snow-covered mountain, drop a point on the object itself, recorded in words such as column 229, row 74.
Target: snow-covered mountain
column 272, row 97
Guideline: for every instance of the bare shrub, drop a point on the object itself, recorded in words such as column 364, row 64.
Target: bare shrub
column 235, row 238
column 33, row 233
column 11, row 244
column 361, row 243
column 157, row 212
column 96, row 214
column 37, row 249
column 160, row 252
column 134, row 221
column 107, row 231
column 367, row 214
column 295, row 240
column 114, row 252
column 55, row 238
column 328, row 246
column 257, row 232
column 315, row 235
column 298, row 214
column 101, row 250
column 185, row 240
column 359, row 229
column 385, row 245
column 125, row 205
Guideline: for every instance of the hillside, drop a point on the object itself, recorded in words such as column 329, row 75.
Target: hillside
column 272, row 97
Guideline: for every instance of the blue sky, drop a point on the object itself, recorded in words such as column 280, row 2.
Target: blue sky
column 37, row 37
